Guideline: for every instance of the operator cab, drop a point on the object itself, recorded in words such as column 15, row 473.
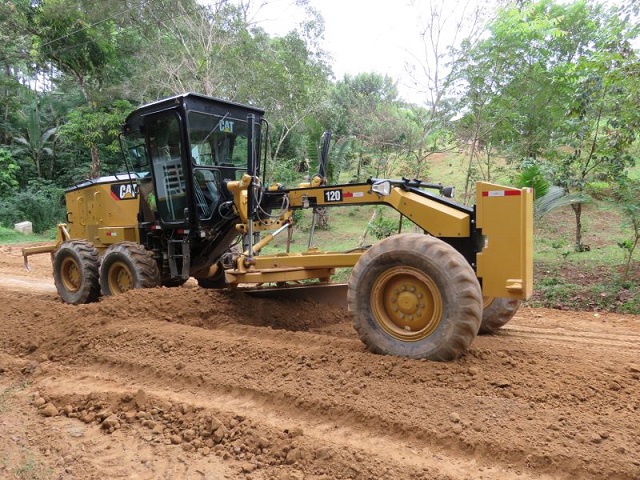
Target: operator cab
column 184, row 149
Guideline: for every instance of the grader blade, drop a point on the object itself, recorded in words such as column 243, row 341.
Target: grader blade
column 326, row 294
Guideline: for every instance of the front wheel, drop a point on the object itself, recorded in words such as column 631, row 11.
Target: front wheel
column 416, row 296
column 128, row 265
column 497, row 312
column 75, row 272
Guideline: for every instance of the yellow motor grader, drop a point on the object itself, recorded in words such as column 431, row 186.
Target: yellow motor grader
column 194, row 203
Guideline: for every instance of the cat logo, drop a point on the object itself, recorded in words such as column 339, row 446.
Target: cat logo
column 226, row 126
column 124, row 191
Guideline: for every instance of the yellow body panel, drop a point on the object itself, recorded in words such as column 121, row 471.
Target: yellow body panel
column 309, row 260
column 434, row 217
column 98, row 208
column 109, row 235
column 505, row 265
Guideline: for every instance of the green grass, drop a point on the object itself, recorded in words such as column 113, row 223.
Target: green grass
column 10, row 236
column 590, row 280
column 31, row 469
column 346, row 226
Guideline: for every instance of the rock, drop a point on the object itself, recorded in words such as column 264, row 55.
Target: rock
column 111, row 422
column 502, row 383
column 49, row 410
column 323, row 453
column 39, row 402
column 88, row 417
column 219, row 434
column 26, row 228
column 103, row 414
column 634, row 368
column 175, row 439
column 454, row 417
column 247, row 467
column 294, row 455
column 595, row 438
column 140, row 399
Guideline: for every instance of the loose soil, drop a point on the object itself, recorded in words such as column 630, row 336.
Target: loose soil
column 187, row 383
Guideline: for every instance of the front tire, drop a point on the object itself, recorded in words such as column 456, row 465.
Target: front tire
column 416, row 296
column 128, row 265
column 497, row 312
column 75, row 272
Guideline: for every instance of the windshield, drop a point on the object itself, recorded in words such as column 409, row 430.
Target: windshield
column 134, row 150
column 218, row 141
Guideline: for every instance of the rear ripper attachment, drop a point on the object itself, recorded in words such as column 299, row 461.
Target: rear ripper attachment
column 193, row 203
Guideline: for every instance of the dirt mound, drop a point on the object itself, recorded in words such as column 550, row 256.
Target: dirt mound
column 192, row 383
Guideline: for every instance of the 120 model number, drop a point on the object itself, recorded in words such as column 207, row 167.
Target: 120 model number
column 333, row 195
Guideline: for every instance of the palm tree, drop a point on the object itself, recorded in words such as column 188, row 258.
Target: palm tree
column 35, row 142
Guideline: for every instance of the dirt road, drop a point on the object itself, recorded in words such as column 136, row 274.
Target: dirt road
column 187, row 383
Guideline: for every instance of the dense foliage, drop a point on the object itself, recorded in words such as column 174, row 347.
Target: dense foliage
column 547, row 90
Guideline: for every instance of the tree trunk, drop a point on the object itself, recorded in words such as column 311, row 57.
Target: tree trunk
column 95, row 155
column 95, row 162
column 363, row 237
column 577, row 210
column 7, row 95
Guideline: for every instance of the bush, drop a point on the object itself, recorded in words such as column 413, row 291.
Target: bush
column 598, row 190
column 381, row 227
column 42, row 203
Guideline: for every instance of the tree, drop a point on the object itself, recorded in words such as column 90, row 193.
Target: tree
column 444, row 26
column 9, row 169
column 555, row 83
column 630, row 201
column 365, row 108
column 602, row 119
column 96, row 128
column 35, row 141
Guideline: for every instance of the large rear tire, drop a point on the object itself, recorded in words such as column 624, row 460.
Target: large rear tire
column 128, row 265
column 414, row 295
column 75, row 272
column 497, row 312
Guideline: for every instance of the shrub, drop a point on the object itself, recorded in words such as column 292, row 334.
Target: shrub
column 41, row 203
column 598, row 190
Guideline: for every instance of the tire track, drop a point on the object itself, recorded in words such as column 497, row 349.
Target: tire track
column 630, row 342
column 398, row 452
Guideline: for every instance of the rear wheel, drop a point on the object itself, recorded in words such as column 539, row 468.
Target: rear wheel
column 416, row 296
column 128, row 265
column 75, row 272
column 497, row 312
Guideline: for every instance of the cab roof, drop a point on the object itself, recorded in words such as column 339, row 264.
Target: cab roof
column 190, row 102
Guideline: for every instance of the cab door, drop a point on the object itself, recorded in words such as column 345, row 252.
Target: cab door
column 167, row 154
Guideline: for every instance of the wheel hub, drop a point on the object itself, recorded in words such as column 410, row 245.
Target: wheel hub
column 71, row 276
column 120, row 278
column 406, row 303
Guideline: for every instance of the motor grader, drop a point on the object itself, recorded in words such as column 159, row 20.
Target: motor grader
column 194, row 203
